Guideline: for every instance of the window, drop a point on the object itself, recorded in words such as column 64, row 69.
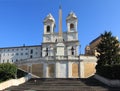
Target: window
column 71, row 26
column 21, row 53
column 12, row 49
column 26, row 48
column 41, row 54
column 12, row 54
column 56, row 40
column 31, row 51
column 48, row 29
column 3, row 61
column 36, row 53
column 46, row 51
column 8, row 61
column 17, row 54
column 31, row 56
column 26, row 53
column 21, row 49
column 72, row 51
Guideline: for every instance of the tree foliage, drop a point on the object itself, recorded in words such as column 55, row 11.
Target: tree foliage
column 7, row 71
column 109, row 50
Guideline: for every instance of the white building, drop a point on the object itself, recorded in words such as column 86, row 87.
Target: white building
column 57, row 56
column 14, row 54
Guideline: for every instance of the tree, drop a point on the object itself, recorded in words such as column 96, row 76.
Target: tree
column 109, row 50
column 7, row 71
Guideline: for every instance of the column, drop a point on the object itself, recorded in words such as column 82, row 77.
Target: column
column 57, row 69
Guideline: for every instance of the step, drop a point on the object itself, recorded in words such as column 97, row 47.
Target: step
column 63, row 84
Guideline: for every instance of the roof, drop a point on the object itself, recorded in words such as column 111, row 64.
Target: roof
column 95, row 40
column 49, row 17
column 21, row 46
column 71, row 15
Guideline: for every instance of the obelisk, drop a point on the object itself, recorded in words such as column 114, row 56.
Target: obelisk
column 60, row 39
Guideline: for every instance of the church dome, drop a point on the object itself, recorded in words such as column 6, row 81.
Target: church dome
column 49, row 17
column 71, row 15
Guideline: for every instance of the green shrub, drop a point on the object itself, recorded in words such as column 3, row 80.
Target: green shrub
column 7, row 71
column 110, row 72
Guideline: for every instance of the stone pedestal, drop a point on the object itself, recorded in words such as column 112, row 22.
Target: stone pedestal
column 60, row 49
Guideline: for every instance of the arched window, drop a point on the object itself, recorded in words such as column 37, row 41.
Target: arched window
column 72, row 50
column 48, row 29
column 71, row 26
column 46, row 51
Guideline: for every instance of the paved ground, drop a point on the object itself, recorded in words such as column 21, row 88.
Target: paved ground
column 62, row 84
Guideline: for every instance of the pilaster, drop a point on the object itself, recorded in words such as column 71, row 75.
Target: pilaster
column 57, row 69
column 81, row 70
column 69, row 70
column 45, row 71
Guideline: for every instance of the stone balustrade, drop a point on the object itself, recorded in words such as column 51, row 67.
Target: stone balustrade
column 48, row 58
column 14, row 82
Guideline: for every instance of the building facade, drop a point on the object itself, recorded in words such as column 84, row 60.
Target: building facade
column 14, row 54
column 58, row 55
column 90, row 50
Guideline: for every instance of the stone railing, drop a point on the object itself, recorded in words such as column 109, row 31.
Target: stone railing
column 73, row 57
column 47, row 58
column 14, row 82
column 88, row 58
column 67, row 58
column 112, row 83
column 61, row 57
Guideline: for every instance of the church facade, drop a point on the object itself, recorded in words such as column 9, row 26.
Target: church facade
column 58, row 55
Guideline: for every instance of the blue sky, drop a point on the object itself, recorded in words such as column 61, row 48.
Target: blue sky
column 21, row 21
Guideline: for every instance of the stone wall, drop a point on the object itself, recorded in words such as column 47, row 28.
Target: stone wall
column 89, row 69
column 24, row 67
column 62, row 69
column 75, row 70
column 37, row 69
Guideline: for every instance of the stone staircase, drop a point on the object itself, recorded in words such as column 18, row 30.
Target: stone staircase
column 62, row 84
